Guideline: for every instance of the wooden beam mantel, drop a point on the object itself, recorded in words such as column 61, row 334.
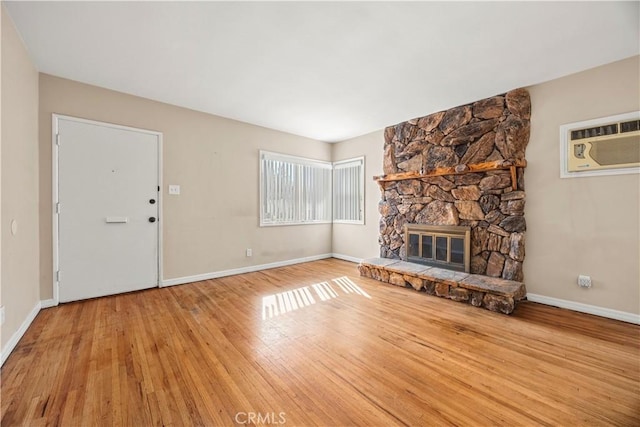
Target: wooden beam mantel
column 458, row 170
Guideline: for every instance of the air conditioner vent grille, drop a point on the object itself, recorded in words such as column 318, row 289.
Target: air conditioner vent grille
column 610, row 129
column 630, row 126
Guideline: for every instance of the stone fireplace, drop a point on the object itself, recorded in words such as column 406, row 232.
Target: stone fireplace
column 453, row 203
column 461, row 167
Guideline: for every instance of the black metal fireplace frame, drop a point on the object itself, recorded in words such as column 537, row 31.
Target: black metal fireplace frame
column 434, row 232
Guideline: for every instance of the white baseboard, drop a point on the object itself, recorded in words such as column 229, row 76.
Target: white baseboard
column 13, row 341
column 48, row 303
column 347, row 258
column 241, row 270
column 586, row 308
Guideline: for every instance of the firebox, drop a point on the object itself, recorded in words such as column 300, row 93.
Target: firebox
column 445, row 246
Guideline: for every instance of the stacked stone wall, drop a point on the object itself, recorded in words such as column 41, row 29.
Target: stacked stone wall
column 491, row 130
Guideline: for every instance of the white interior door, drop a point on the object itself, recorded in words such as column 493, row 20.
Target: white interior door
column 108, row 229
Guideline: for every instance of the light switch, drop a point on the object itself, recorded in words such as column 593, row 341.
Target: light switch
column 174, row 190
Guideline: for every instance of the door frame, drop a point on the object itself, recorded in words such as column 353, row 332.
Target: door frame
column 54, row 192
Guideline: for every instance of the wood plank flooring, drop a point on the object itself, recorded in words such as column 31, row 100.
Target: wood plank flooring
column 362, row 353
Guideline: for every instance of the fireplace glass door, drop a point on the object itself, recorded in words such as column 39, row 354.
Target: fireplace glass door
column 441, row 246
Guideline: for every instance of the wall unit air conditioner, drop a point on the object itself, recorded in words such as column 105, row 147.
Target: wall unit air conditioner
column 605, row 146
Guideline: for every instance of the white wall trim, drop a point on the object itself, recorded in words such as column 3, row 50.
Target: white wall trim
column 241, row 270
column 586, row 308
column 48, row 303
column 15, row 338
column 347, row 258
column 54, row 217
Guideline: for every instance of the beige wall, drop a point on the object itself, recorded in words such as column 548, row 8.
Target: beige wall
column 1, row 305
column 361, row 241
column 574, row 226
column 584, row 225
column 20, row 257
column 214, row 160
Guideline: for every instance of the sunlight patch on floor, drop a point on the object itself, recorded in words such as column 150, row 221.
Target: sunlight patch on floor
column 349, row 287
column 287, row 301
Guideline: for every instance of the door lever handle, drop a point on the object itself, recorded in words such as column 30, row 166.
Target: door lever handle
column 116, row 219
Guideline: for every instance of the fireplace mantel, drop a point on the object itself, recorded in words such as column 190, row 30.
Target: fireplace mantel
column 459, row 170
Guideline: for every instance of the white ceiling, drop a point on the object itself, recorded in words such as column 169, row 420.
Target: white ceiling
column 325, row 70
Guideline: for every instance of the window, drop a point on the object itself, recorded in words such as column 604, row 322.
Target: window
column 294, row 190
column 348, row 191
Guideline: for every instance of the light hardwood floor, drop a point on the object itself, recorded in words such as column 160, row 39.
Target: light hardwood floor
column 202, row 354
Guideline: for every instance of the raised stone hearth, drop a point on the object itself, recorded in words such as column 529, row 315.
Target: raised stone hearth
column 494, row 294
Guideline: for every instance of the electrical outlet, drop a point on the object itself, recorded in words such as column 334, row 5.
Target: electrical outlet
column 174, row 190
column 584, row 281
column 249, row 252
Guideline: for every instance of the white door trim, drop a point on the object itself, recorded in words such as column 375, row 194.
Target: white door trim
column 54, row 191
